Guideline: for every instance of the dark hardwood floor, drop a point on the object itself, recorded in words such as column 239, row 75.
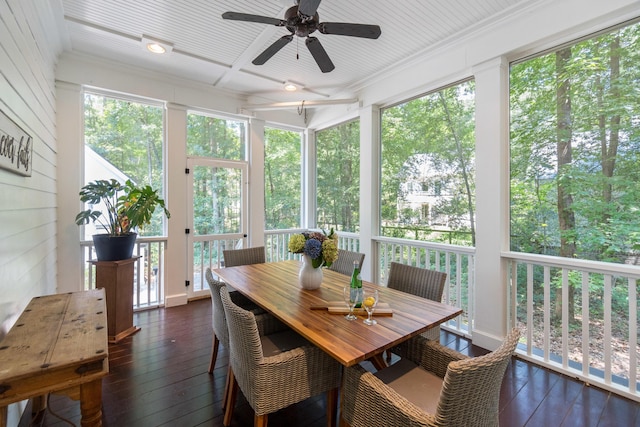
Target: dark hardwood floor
column 158, row 377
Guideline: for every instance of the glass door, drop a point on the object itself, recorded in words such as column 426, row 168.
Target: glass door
column 218, row 199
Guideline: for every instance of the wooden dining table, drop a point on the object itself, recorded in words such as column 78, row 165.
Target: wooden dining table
column 274, row 287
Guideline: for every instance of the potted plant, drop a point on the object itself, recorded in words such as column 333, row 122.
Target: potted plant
column 127, row 207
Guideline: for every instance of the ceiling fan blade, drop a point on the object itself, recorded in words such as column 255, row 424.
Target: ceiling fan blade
column 319, row 54
column 348, row 29
column 308, row 7
column 273, row 49
column 237, row 16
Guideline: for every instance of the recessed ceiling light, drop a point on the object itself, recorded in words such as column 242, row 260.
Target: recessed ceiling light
column 291, row 86
column 156, row 46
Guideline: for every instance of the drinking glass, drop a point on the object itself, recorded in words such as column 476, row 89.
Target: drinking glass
column 351, row 299
column 369, row 302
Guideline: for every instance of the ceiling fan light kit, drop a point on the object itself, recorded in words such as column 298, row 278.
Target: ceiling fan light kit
column 302, row 20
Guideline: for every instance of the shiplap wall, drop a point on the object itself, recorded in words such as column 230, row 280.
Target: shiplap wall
column 29, row 46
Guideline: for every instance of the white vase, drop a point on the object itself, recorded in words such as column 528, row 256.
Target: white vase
column 309, row 277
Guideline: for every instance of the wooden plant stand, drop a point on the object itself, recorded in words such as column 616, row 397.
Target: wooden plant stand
column 116, row 277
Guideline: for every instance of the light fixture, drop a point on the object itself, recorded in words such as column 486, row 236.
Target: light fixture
column 156, row 46
column 290, row 86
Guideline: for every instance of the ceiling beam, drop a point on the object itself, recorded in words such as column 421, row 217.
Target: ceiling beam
column 298, row 104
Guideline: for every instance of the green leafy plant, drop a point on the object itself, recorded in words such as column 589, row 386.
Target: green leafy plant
column 128, row 207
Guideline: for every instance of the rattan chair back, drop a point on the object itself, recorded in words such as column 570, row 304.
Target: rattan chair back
column 246, row 256
column 344, row 263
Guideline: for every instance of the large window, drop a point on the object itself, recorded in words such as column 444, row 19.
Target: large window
column 575, row 186
column 282, row 178
column 575, row 150
column 124, row 140
column 428, row 167
column 338, row 177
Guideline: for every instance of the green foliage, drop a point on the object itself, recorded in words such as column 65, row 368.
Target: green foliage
column 127, row 206
column 216, row 137
column 129, row 136
column 338, row 177
column 603, row 177
column 283, row 178
column 217, row 191
column 430, row 142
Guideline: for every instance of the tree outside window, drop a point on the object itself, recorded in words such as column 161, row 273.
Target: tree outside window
column 215, row 137
column 282, row 178
column 338, row 177
column 575, row 185
column 575, row 150
column 124, row 140
column 217, row 191
column 427, row 158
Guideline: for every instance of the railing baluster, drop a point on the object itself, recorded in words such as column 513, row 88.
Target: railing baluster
column 633, row 335
column 547, row 312
column 607, row 328
column 565, row 318
column 585, row 324
column 529, row 308
column 458, row 286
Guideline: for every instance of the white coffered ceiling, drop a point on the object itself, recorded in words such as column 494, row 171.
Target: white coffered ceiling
column 218, row 52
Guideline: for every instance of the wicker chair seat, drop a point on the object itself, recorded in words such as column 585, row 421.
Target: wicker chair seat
column 411, row 382
column 272, row 382
column 469, row 395
column 266, row 322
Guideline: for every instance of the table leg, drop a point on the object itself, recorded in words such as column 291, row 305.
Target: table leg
column 3, row 416
column 378, row 361
column 38, row 409
column 332, row 407
column 91, row 403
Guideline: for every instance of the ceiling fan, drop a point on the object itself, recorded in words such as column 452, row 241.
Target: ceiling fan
column 302, row 20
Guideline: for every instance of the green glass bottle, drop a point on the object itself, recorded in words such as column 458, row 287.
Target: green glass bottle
column 356, row 284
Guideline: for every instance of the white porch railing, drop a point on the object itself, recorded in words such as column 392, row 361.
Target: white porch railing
column 148, row 276
column 277, row 243
column 457, row 261
column 207, row 253
column 599, row 347
column 600, row 343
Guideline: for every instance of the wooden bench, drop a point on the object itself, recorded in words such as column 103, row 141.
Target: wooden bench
column 59, row 344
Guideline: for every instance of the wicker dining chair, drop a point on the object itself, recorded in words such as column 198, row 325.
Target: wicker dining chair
column 276, row 370
column 234, row 257
column 431, row 386
column 266, row 324
column 418, row 281
column 344, row 263
column 218, row 322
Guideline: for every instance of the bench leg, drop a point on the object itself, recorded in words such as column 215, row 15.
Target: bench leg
column 91, row 403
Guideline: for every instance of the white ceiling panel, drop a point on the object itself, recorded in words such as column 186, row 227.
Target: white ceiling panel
column 212, row 50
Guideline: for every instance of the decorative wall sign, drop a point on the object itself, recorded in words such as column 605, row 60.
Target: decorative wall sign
column 16, row 147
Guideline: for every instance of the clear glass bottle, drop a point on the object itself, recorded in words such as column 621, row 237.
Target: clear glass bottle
column 356, row 284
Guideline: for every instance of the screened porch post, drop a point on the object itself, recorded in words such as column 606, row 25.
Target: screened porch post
column 492, row 197
column 369, row 187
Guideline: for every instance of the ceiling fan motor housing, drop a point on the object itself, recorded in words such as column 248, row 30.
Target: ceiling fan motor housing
column 300, row 25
